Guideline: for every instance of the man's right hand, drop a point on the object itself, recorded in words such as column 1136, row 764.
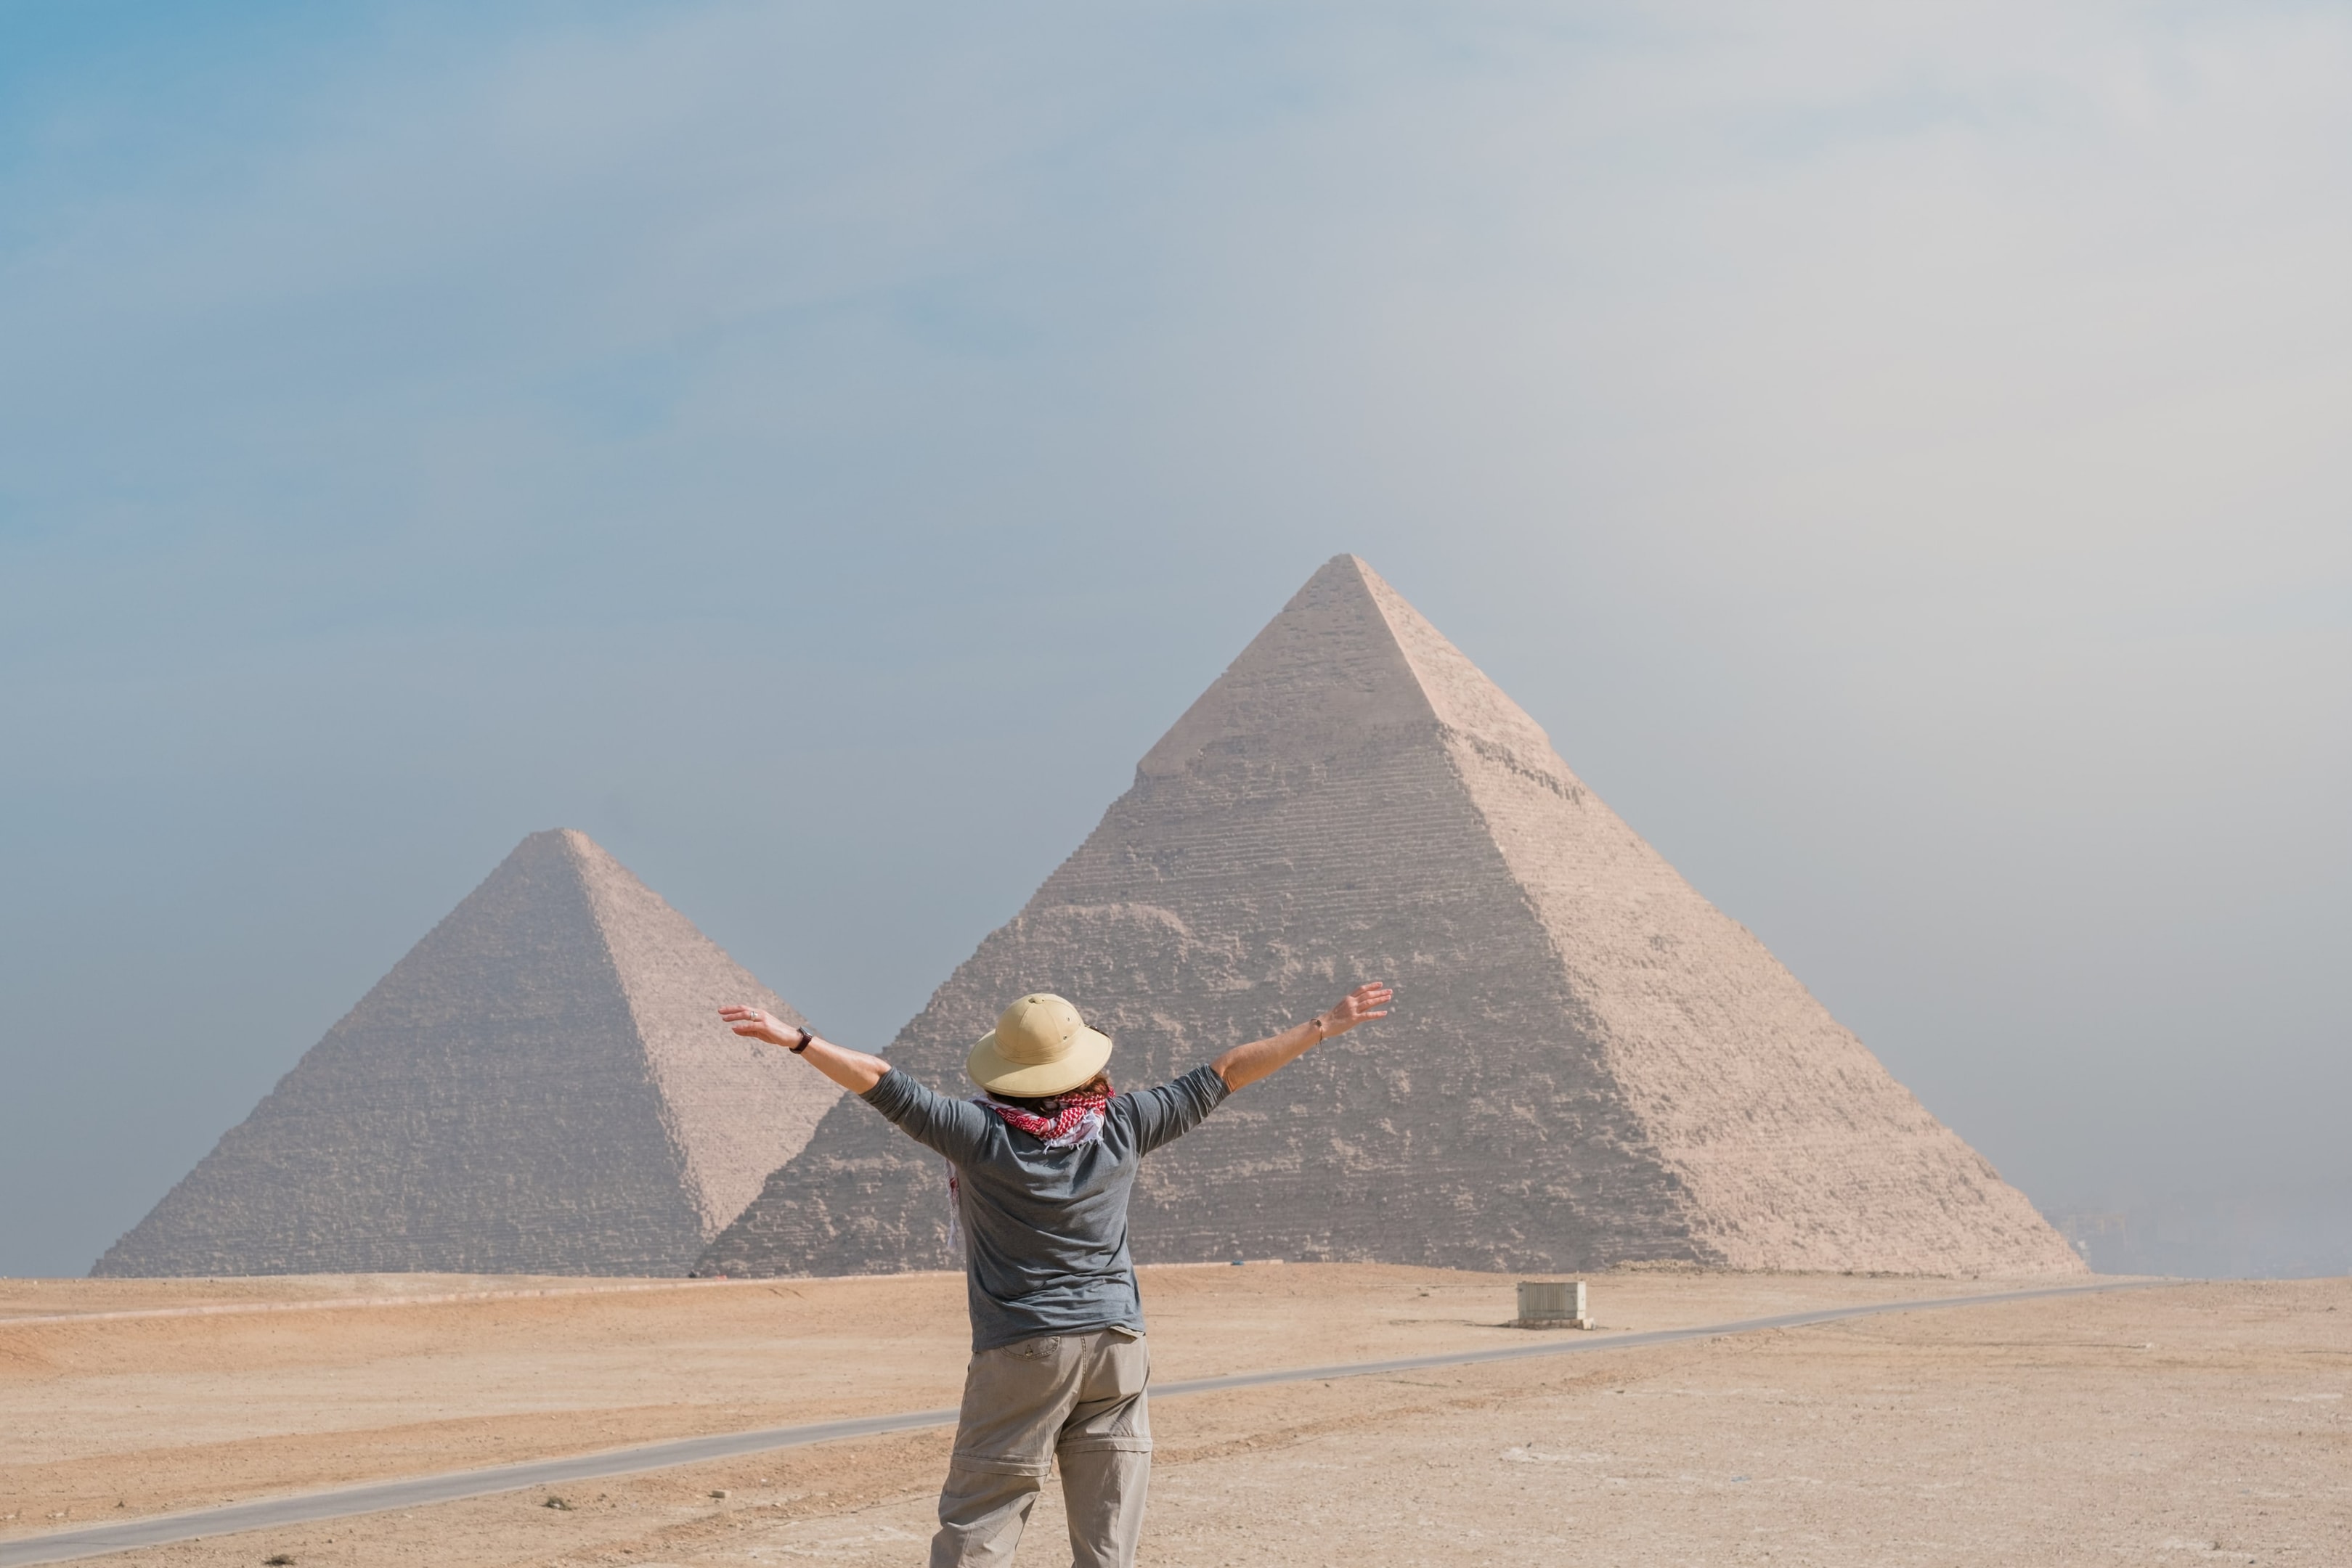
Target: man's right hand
column 752, row 1023
column 853, row 1069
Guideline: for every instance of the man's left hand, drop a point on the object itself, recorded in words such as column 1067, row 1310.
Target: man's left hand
column 1365, row 1003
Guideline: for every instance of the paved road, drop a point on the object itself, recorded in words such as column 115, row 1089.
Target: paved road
column 64, row 1545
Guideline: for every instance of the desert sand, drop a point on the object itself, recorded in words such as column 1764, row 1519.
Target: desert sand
column 2179, row 1424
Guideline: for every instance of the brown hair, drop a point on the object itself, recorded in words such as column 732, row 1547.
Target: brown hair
column 1047, row 1104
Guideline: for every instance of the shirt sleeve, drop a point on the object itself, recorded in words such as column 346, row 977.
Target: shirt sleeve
column 1168, row 1112
column 956, row 1128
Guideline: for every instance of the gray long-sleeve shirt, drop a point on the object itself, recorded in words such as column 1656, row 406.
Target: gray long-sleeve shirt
column 1046, row 1229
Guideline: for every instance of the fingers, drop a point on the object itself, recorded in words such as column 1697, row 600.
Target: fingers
column 1366, row 1002
column 751, row 1023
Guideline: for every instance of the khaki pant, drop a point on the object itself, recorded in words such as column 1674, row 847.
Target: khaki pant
column 1078, row 1397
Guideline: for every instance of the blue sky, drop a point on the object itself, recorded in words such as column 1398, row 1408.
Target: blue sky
column 1898, row 458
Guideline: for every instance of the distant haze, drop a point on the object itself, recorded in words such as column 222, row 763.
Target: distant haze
column 817, row 450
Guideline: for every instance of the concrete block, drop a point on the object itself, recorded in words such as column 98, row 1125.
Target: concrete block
column 1552, row 1303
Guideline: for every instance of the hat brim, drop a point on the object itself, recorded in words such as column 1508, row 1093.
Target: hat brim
column 1088, row 1053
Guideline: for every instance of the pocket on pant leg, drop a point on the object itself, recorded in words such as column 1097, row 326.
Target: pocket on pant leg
column 1117, row 1416
column 1015, row 1400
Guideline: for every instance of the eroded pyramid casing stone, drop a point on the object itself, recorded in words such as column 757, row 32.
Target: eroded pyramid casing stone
column 540, row 1086
column 1587, row 1063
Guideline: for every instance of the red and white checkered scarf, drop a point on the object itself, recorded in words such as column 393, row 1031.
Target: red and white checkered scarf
column 1078, row 1119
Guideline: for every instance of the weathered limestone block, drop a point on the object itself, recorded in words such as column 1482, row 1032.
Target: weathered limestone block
column 1587, row 1063
column 540, row 1086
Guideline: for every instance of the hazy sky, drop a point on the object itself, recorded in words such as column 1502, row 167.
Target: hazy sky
column 1899, row 453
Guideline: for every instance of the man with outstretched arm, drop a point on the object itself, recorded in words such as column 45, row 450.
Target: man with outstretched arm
column 1043, row 1160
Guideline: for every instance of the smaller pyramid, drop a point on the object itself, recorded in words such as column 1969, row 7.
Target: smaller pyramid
column 540, row 1086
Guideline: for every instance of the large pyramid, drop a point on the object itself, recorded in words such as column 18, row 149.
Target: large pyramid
column 1587, row 1063
column 540, row 1086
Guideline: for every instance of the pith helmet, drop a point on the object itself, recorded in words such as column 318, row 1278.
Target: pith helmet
column 1040, row 1046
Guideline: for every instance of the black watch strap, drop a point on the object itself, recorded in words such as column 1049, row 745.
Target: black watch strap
column 806, row 1036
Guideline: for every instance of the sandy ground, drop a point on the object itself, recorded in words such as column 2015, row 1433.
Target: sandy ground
column 2177, row 1424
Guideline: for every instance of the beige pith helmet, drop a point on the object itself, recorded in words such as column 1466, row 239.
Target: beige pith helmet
column 1040, row 1046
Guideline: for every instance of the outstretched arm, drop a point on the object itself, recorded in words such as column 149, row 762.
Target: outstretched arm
column 853, row 1069
column 1247, row 1064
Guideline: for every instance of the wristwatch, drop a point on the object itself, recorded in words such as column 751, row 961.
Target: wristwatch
column 806, row 1036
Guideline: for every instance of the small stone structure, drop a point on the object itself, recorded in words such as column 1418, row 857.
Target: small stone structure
column 1588, row 1062
column 1552, row 1304
column 540, row 1086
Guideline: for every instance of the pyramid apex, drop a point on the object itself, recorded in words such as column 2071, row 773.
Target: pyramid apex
column 1347, row 656
column 1318, row 676
column 1343, row 567
column 566, row 843
column 550, row 839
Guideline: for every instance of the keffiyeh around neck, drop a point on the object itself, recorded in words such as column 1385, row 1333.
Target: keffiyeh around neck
column 1079, row 1120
